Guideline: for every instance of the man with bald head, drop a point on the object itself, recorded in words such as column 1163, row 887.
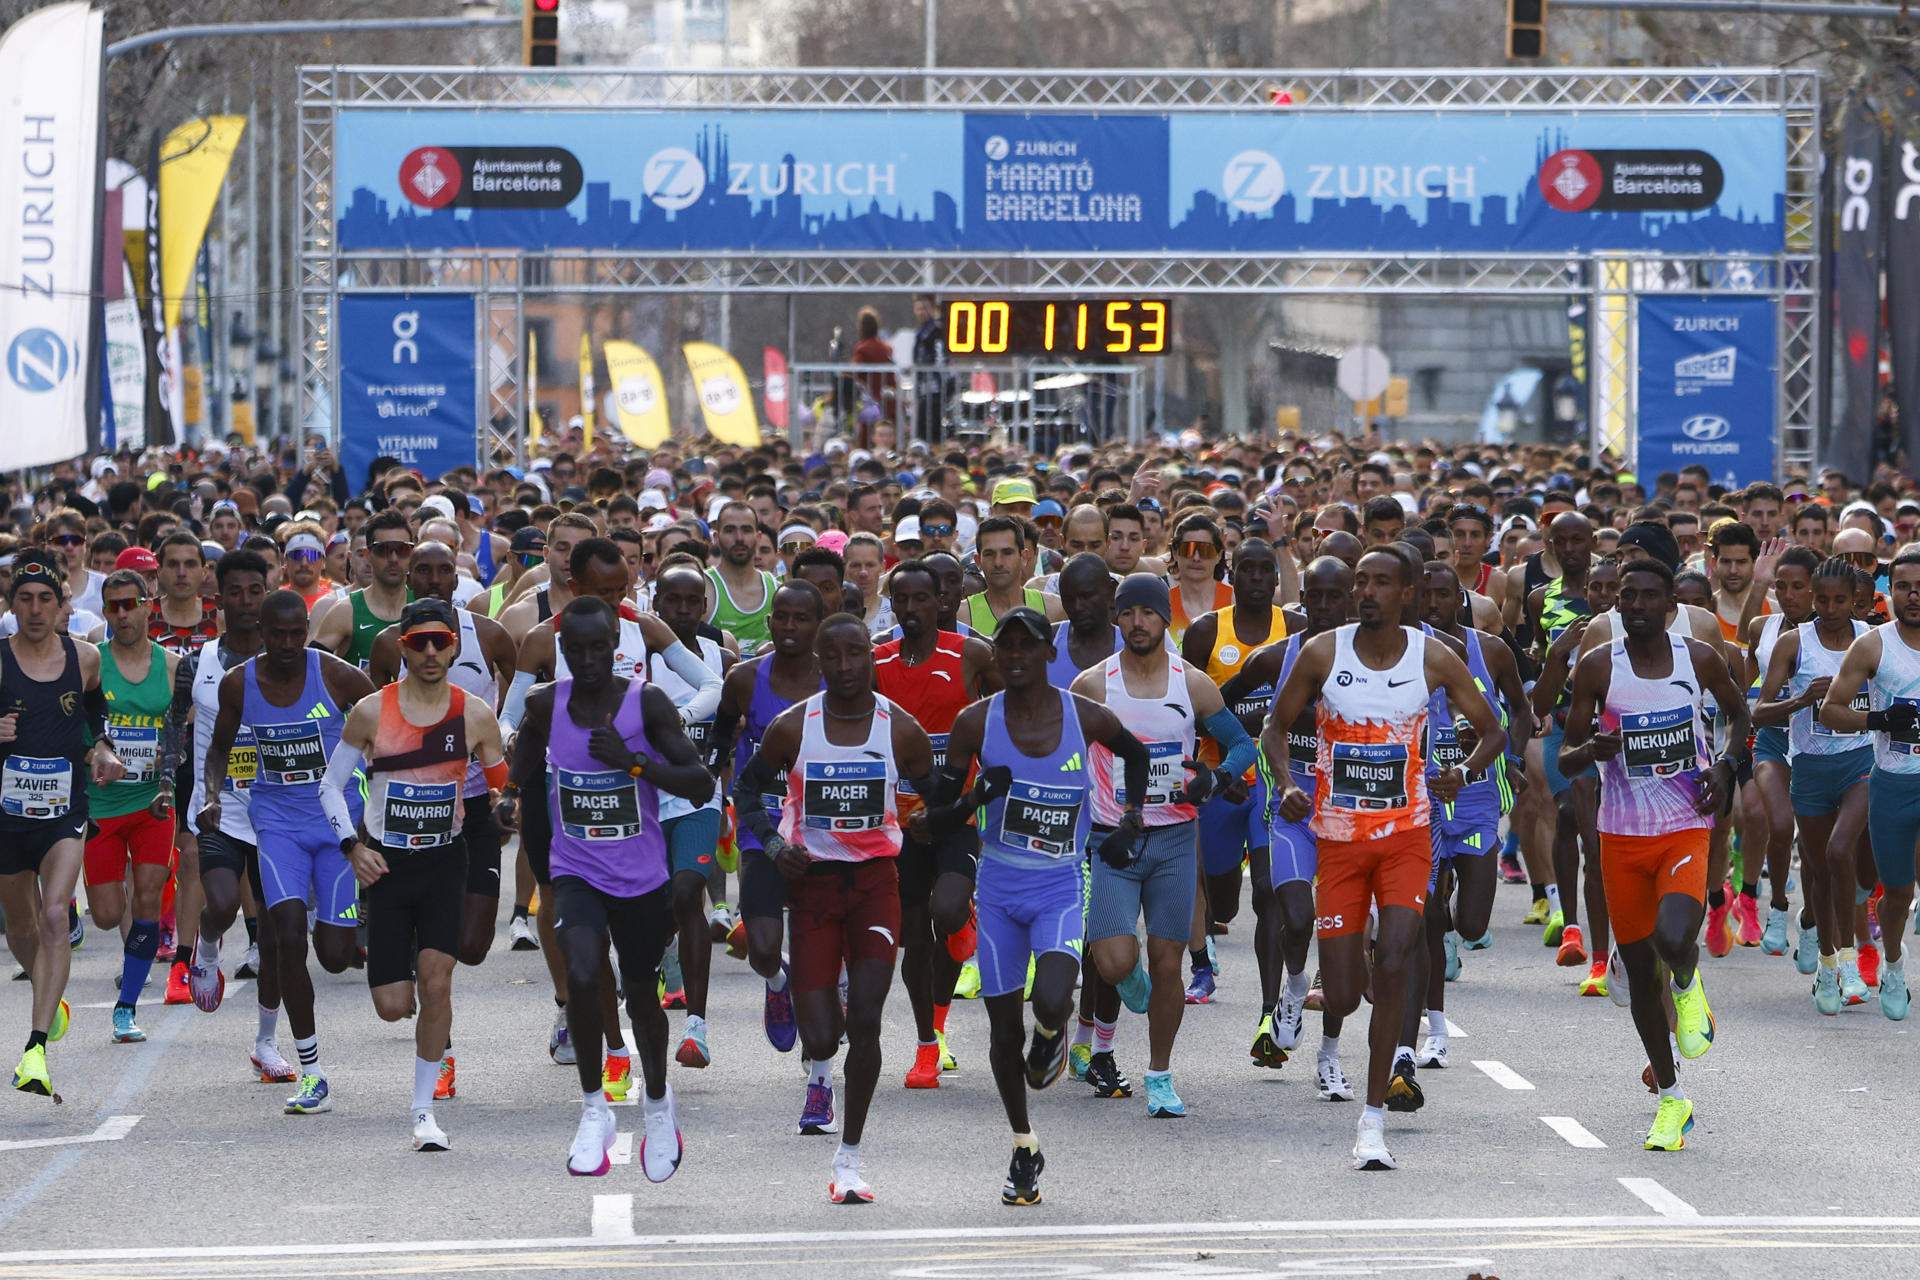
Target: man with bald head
column 1344, row 547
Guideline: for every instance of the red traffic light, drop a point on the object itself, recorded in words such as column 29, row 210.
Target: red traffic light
column 540, row 33
column 547, row 6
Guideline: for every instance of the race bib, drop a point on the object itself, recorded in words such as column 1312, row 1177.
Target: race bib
column 1254, row 703
column 1303, row 748
column 138, row 747
column 604, row 805
column 1040, row 819
column 1163, row 774
column 1369, row 776
column 1862, row 702
column 844, row 795
column 1442, row 749
column 699, row 733
column 939, row 741
column 1908, row 743
column 36, row 786
column 1659, row 744
column 290, row 753
column 243, row 763
column 419, row 815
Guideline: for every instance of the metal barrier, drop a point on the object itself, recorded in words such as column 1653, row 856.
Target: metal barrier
column 1032, row 405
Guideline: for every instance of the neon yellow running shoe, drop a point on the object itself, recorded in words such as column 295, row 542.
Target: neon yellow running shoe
column 947, row 1061
column 968, row 985
column 31, row 1075
column 1556, row 925
column 1693, row 1025
column 1670, row 1125
column 1537, row 913
column 62, row 1017
column 1078, row 1056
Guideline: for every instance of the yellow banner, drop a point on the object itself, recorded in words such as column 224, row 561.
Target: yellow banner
column 193, row 166
column 721, row 384
column 535, row 428
column 586, row 392
column 639, row 395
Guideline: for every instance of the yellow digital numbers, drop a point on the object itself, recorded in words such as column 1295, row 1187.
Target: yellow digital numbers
column 1035, row 327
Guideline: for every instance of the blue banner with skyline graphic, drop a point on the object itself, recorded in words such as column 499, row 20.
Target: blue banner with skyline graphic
column 1245, row 184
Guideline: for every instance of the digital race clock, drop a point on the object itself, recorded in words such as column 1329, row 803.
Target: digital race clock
column 1042, row 327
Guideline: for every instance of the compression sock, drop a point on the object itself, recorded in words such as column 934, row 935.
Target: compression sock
column 269, row 1025
column 1103, row 1036
column 1197, row 957
column 136, row 961
column 940, row 1017
column 253, row 929
column 309, row 1051
column 426, row 1073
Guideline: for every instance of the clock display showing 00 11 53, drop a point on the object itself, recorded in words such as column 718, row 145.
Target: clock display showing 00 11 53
column 1054, row 327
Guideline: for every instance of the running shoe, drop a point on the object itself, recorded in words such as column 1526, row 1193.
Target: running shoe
column 925, row 1071
column 1556, row 925
column 674, row 999
column 948, row 1063
column 589, row 1156
column 313, row 1097
column 1869, row 964
column 178, row 990
column 661, row 1145
column 1023, row 1178
column 737, row 939
column 1450, row 947
column 1873, row 913
column 816, row 1116
column 1136, row 988
column 1573, row 948
column 1316, row 997
column 124, row 1030
column 1370, row 1145
column 76, row 927
column 169, row 947
column 249, row 962
column 616, row 1077
column 1693, row 1025
column 1826, row 991
column 1595, row 983
column 1853, row 989
column 1403, row 1087
column 560, row 1040
column 1333, row 1081
column 1077, row 1058
column 1670, row 1125
column 62, row 1019
column 776, row 1014
column 1720, row 929
column 1773, row 939
column 427, row 1133
column 270, row 1065
column 521, row 935
column 1288, row 1018
column 1806, row 951
column 693, row 1050
column 967, row 985
column 720, row 922
column 446, row 1086
column 1266, row 1050
column 1162, row 1102
column 1433, row 1053
column 1200, row 989
column 31, row 1075
column 1537, row 913
column 1103, row 1074
column 1894, row 997
column 1746, row 920
column 1482, row 943
column 1617, row 989
column 847, row 1186
column 206, row 984
column 1046, row 1058
column 1511, row 872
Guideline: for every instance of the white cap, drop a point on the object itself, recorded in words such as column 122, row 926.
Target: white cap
column 715, row 505
column 103, row 464
column 836, row 445
column 653, row 498
column 908, row 530
column 441, row 504
column 793, row 531
column 659, row 522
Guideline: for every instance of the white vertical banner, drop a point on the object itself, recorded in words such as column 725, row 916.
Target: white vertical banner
column 49, row 187
column 126, row 355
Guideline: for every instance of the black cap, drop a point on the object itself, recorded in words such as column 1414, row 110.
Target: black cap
column 425, row 610
column 1032, row 619
column 1655, row 539
column 527, row 540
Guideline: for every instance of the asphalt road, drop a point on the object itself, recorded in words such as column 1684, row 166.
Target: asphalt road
column 167, row 1160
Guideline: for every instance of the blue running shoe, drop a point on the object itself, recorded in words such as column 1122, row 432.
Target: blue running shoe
column 1894, row 997
column 1806, row 952
column 1078, row 1056
column 1482, row 943
column 1773, row 939
column 1200, row 990
column 1136, row 987
column 313, row 1098
column 1451, row 945
column 1162, row 1102
column 1826, row 991
column 777, row 1016
column 816, row 1116
column 124, row 1030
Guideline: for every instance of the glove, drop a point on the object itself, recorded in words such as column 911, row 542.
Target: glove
column 1203, row 783
column 1121, row 848
column 991, row 785
column 1899, row 718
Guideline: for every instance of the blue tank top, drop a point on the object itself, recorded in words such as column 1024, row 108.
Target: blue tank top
column 1062, row 669
column 1303, row 735
column 1041, row 823
column 293, row 744
column 483, row 559
column 1486, row 795
column 764, row 708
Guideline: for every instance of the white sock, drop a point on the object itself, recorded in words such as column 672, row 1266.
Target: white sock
column 269, row 1025
column 822, row 1073
column 778, row 982
column 1297, row 985
column 1159, row 1075
column 1673, row 1090
column 207, row 952
column 1329, row 1045
column 308, row 1051
column 594, row 1100
column 1103, row 1036
column 1553, row 897
column 1082, row 1032
column 621, row 1052
column 1402, row 1052
column 1373, row 1113
column 1437, row 1023
column 1678, row 988
column 426, row 1073
column 847, row 1153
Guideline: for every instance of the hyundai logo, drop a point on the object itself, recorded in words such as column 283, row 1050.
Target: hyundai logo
column 1706, row 426
column 38, row 360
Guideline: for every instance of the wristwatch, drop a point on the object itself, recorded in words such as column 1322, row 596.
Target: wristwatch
column 639, row 769
column 346, row 845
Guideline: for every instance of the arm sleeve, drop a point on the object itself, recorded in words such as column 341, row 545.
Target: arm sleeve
column 341, row 766
column 686, row 664
column 1238, row 750
column 95, row 702
column 515, row 708
column 751, row 811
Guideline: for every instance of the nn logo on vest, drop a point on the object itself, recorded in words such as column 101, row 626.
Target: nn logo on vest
column 38, row 360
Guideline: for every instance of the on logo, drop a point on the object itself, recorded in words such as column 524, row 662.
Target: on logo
column 406, row 326
column 1253, row 181
column 1857, row 214
column 1910, row 170
column 674, row 178
column 38, row 360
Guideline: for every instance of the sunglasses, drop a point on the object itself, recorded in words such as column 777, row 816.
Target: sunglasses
column 1861, row 558
column 389, row 548
column 528, row 559
column 124, row 606
column 68, row 539
column 937, row 530
column 306, row 555
column 425, row 641
column 1200, row 550
column 795, row 547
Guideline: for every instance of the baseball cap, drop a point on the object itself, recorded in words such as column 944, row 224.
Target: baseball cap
column 1012, row 490
column 137, row 558
column 653, row 499
column 1032, row 620
column 441, row 503
column 1048, row 508
column 908, row 530
column 527, row 540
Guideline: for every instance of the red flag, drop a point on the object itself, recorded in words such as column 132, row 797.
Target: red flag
column 775, row 393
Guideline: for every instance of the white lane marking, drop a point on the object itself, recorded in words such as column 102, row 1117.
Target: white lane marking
column 613, row 1218
column 1573, row 1131
column 1502, row 1074
column 112, row 1129
column 1453, row 1030
column 622, row 1150
column 1659, row 1199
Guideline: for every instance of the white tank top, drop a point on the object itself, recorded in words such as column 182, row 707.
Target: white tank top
column 698, row 732
column 628, row 656
column 1806, row 736
column 1651, row 786
column 1163, row 722
column 1896, row 680
column 1763, row 653
column 842, row 801
column 242, row 761
column 1370, row 780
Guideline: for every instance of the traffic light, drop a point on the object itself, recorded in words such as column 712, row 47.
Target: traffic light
column 1526, row 28
column 540, row 33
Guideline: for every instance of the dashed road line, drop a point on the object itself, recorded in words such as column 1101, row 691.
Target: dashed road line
column 613, row 1217
column 1502, row 1074
column 621, row 1152
column 112, row 1129
column 1573, row 1131
column 1658, row 1198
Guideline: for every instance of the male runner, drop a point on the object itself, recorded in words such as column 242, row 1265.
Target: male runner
column 51, row 690
column 842, row 753
column 416, row 738
column 182, row 623
column 1031, row 744
column 292, row 700
column 1001, row 547
column 350, row 631
column 1638, row 711
column 1793, row 591
column 537, row 604
column 742, row 594
column 1742, row 568
column 1371, row 812
column 599, row 748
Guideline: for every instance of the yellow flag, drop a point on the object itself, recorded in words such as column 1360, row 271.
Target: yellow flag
column 535, row 428
column 193, row 165
column 639, row 396
column 722, row 387
column 586, row 392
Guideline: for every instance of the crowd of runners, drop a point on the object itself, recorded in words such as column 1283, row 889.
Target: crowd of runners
column 993, row 726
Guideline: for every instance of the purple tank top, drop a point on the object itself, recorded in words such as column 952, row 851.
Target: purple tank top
column 606, row 823
column 761, row 713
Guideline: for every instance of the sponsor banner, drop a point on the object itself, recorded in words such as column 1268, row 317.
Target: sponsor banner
column 1903, row 270
column 407, row 381
column 927, row 181
column 193, row 167
column 586, row 392
column 774, row 393
column 49, row 186
column 126, row 367
column 721, row 385
column 639, row 394
column 1859, row 212
column 1707, row 387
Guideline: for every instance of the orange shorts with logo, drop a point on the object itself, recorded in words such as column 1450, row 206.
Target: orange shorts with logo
column 1638, row 871
column 1392, row 871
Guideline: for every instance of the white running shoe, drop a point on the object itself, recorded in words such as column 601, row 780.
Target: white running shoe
column 249, row 963
column 1432, row 1054
column 560, row 1041
column 521, row 935
column 1370, row 1145
column 271, row 1065
column 1617, row 990
column 661, row 1145
column 1333, row 1082
column 591, row 1142
column 847, row 1186
column 1287, row 1019
column 427, row 1134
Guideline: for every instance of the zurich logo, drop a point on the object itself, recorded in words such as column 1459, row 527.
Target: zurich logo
column 1705, row 427
column 1253, row 181
column 674, row 178
column 38, row 360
